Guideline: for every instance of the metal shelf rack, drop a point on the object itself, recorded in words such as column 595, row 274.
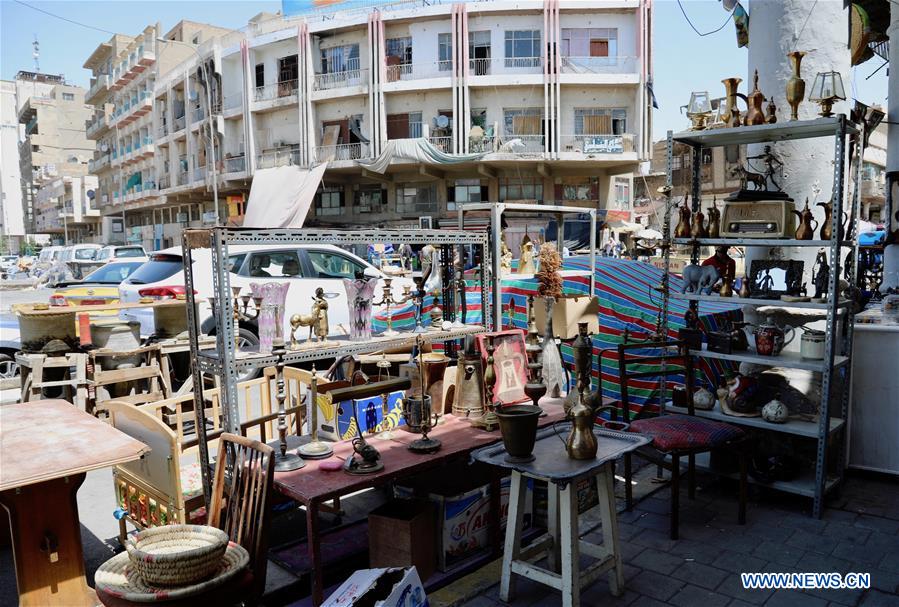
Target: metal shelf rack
column 497, row 209
column 829, row 430
column 225, row 362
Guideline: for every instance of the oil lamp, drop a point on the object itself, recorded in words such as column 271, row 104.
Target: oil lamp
column 827, row 88
column 699, row 109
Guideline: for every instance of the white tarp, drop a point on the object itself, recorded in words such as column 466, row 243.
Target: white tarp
column 419, row 150
column 281, row 197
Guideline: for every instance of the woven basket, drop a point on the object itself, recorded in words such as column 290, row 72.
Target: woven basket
column 177, row 555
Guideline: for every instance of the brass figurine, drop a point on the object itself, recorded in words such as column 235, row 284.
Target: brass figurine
column 316, row 320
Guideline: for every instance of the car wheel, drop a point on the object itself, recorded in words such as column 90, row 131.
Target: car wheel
column 247, row 339
column 9, row 368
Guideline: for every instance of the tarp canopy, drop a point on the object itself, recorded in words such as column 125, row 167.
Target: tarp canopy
column 419, row 150
column 280, row 197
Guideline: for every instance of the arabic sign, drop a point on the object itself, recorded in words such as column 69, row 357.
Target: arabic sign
column 603, row 144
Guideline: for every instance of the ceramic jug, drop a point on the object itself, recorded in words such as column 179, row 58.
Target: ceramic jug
column 755, row 115
column 714, row 229
column 805, row 231
column 771, row 339
column 682, row 230
column 698, row 229
column 826, row 224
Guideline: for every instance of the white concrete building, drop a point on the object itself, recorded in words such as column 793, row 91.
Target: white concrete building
column 67, row 206
column 874, row 176
column 12, row 212
column 558, row 91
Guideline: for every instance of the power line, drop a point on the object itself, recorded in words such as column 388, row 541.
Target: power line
column 40, row 10
column 809, row 16
column 694, row 27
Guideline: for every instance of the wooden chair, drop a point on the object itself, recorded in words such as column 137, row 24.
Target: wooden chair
column 241, row 503
column 673, row 436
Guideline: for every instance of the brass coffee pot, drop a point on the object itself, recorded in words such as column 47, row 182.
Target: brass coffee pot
column 755, row 115
column 827, row 224
column 805, row 231
column 698, row 229
column 581, row 443
column 714, row 229
column 731, row 115
column 682, row 230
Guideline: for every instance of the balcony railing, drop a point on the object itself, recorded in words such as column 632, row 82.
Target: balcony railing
column 199, row 173
column 444, row 144
column 344, row 151
column 523, row 144
column 417, row 71
column 484, row 145
column 599, row 65
column 97, row 125
column 278, row 157
column 598, row 144
column 233, row 101
column 101, row 83
column 163, row 130
column 352, row 76
column 198, row 114
column 165, row 182
column 276, row 90
column 235, row 164
column 501, row 65
column 179, row 123
column 523, row 63
column 183, row 178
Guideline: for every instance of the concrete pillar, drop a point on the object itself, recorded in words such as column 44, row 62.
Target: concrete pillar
column 777, row 27
column 891, row 253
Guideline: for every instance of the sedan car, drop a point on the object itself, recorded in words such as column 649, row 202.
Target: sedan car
column 100, row 287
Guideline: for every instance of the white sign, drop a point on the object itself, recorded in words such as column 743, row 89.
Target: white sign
column 603, row 144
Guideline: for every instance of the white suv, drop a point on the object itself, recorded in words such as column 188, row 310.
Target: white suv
column 306, row 267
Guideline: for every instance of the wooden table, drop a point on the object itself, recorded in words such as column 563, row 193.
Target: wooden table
column 46, row 448
column 311, row 486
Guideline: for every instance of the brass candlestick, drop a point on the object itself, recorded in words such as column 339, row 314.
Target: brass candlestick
column 315, row 449
column 489, row 421
column 387, row 300
column 284, row 461
column 418, row 300
column 425, row 444
column 384, row 374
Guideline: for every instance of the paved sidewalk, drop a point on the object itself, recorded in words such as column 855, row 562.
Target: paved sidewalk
column 858, row 533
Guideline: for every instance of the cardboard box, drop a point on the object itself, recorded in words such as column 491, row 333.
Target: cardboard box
column 568, row 311
column 463, row 518
column 336, row 422
column 380, row 588
column 401, row 533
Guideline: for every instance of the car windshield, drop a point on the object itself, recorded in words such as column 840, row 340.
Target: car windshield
column 160, row 267
column 85, row 253
column 333, row 265
column 130, row 252
column 113, row 273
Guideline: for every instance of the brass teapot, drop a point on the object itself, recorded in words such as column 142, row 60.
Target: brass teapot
column 682, row 230
column 581, row 442
column 805, row 231
column 755, row 115
column 714, row 228
column 698, row 229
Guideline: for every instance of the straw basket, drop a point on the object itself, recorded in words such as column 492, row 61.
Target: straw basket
column 177, row 555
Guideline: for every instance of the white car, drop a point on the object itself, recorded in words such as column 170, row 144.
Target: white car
column 111, row 253
column 306, row 267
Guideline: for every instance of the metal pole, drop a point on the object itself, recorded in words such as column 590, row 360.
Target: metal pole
column 65, row 223
column 215, row 181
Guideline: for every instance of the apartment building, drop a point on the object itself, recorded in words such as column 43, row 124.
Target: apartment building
column 53, row 146
column 553, row 98
column 125, row 70
column 12, row 213
column 873, row 194
column 67, row 210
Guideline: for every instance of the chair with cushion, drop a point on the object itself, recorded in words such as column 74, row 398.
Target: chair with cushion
column 673, row 435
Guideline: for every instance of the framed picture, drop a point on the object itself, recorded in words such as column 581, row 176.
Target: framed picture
column 771, row 278
column 510, row 362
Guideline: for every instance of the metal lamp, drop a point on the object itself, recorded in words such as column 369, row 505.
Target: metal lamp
column 827, row 88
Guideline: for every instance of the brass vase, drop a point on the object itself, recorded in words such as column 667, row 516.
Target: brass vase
column 795, row 85
column 731, row 116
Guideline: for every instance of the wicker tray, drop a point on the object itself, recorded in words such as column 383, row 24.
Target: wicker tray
column 176, row 555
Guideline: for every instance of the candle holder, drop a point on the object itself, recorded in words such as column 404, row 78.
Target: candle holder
column 459, row 277
column 387, row 301
column 314, row 449
column 384, row 374
column 418, row 410
column 284, row 461
column 418, row 300
column 535, row 389
column 242, row 311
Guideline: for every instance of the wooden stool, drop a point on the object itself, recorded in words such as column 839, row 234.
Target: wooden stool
column 562, row 545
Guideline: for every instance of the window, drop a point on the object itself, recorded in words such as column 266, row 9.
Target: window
column 445, row 52
column 400, row 47
column 327, row 264
column 260, row 75
column 340, row 59
column 706, row 156
column 479, row 118
column 577, row 192
column 518, row 190
column 415, row 124
column 464, row 191
column 113, row 273
column 288, row 70
column 523, row 48
column 598, row 43
column 623, row 192
column 369, row 199
column 330, row 202
column 268, row 264
column 676, row 163
column 68, row 97
column 412, row 200
column 523, row 121
column 479, row 52
column 600, row 121
column 196, row 39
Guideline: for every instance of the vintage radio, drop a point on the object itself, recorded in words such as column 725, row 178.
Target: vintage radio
column 758, row 219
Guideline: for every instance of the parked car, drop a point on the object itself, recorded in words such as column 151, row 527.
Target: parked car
column 306, row 267
column 80, row 258
column 8, row 265
column 129, row 252
column 100, row 287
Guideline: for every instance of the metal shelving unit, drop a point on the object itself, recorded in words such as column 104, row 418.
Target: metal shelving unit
column 497, row 209
column 829, row 430
column 225, row 361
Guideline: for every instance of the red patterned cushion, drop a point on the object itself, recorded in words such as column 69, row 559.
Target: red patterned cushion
column 671, row 432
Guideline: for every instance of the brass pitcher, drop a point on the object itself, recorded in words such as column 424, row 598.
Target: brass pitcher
column 698, row 229
column 754, row 114
column 731, row 115
column 795, row 85
column 468, row 400
column 827, row 225
column 682, row 230
column 805, row 231
column 714, row 229
column 581, row 443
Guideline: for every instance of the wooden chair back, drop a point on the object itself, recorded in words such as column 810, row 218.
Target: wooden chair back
column 241, row 498
column 672, row 358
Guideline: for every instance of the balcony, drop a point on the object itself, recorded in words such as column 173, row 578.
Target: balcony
column 197, row 115
column 178, row 124
column 344, row 151
column 523, row 144
column 97, row 126
column 146, row 148
column 143, row 60
column 183, row 178
column 444, row 144
column 505, row 65
column 597, row 144
column 236, row 164
column 277, row 157
column 484, row 145
column 599, row 65
column 100, row 85
column 95, row 165
column 165, row 182
column 162, row 131
column 353, row 75
column 873, row 189
column 143, row 105
column 419, row 71
column 277, row 90
column 200, row 173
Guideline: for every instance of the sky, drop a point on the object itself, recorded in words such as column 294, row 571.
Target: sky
column 679, row 51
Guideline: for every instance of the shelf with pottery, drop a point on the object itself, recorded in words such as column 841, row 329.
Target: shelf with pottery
column 799, row 427
column 787, row 359
column 752, row 301
column 803, row 485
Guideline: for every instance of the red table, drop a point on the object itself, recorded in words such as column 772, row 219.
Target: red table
column 46, row 448
column 311, row 486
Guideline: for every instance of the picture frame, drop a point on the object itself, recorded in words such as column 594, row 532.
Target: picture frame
column 771, row 278
column 510, row 362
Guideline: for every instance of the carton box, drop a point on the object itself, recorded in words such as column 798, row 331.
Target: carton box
column 337, row 423
column 401, row 533
column 568, row 311
column 380, row 588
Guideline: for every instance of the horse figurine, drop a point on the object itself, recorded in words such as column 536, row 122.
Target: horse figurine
column 758, row 181
column 316, row 320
